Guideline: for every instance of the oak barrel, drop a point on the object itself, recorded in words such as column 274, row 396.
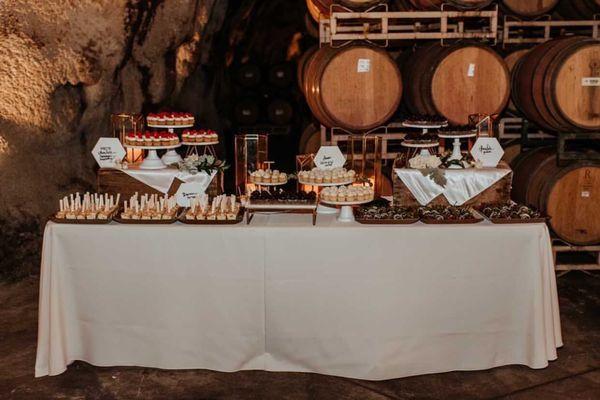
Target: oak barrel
column 355, row 87
column 321, row 8
column 529, row 8
column 433, row 5
column 578, row 9
column 510, row 60
column 557, row 85
column 310, row 140
column 570, row 195
column 456, row 81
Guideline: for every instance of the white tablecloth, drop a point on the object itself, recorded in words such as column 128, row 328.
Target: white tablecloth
column 162, row 179
column 371, row 302
column 462, row 184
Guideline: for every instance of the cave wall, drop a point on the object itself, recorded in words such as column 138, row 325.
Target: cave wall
column 65, row 66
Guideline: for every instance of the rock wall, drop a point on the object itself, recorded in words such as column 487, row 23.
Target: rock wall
column 65, row 66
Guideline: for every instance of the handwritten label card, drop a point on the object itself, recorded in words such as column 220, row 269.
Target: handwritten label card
column 329, row 157
column 108, row 151
column 488, row 151
column 188, row 191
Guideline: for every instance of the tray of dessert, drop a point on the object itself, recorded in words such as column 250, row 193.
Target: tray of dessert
column 424, row 121
column 149, row 209
column 170, row 120
column 222, row 210
column 511, row 213
column 382, row 213
column 281, row 200
column 201, row 137
column 152, row 140
column 448, row 215
column 420, row 140
column 89, row 208
column 347, row 195
column 457, row 132
column 268, row 177
column 329, row 177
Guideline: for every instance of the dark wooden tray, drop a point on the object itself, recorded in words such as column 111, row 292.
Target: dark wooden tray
column 145, row 221
column 368, row 221
column 451, row 221
column 239, row 218
column 518, row 221
column 81, row 221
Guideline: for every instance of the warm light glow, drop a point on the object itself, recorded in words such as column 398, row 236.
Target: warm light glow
column 3, row 145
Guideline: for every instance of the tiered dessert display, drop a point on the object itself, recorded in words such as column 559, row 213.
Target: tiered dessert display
column 268, row 177
column 456, row 159
column 170, row 121
column 222, row 210
column 149, row 209
column 204, row 138
column 162, row 140
column 346, row 197
column 91, row 208
column 281, row 201
column 322, row 177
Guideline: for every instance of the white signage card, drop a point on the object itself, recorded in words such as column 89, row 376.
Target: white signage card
column 108, row 152
column 188, row 191
column 363, row 65
column 471, row 70
column 329, row 157
column 590, row 81
column 488, row 151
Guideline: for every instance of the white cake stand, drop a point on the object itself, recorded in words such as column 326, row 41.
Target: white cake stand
column 424, row 127
column 346, row 213
column 322, row 209
column 456, row 152
column 171, row 156
column 152, row 161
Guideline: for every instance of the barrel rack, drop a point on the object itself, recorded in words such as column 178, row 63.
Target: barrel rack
column 519, row 32
column 591, row 257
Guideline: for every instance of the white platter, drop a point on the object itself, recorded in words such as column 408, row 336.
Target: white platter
column 199, row 143
column 419, row 145
column 349, row 182
column 346, row 203
column 425, row 126
column 173, row 146
column 169, row 126
column 268, row 183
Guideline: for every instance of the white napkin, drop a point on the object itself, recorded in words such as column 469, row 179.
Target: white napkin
column 162, row 179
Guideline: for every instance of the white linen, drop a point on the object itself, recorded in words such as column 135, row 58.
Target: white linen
column 162, row 179
column 368, row 302
column 462, row 184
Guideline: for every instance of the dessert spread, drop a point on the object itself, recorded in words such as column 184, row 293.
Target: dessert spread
column 342, row 194
column 199, row 136
column 221, row 208
column 268, row 176
column 170, row 118
column 509, row 210
column 87, row 206
column 282, row 197
column 152, row 139
column 150, row 207
column 321, row 176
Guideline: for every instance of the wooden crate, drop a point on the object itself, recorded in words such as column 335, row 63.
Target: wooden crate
column 497, row 193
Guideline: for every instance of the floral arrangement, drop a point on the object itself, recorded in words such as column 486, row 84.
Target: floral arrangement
column 195, row 164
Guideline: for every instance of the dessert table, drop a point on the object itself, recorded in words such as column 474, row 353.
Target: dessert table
column 369, row 302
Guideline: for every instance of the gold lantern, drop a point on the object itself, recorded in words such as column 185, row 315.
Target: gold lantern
column 364, row 156
column 122, row 125
column 251, row 151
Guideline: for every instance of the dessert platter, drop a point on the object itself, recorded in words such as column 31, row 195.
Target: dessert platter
column 511, row 213
column 153, row 142
column 170, row 120
column 327, row 177
column 268, row 177
column 455, row 160
column 222, row 210
column 281, row 201
column 91, row 208
column 385, row 214
column 346, row 197
column 201, row 137
column 448, row 215
column 149, row 209
column 424, row 122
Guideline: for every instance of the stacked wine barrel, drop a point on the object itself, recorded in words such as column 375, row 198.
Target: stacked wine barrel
column 456, row 81
column 356, row 88
column 319, row 9
column 557, row 85
column 578, row 9
column 569, row 195
column 529, row 8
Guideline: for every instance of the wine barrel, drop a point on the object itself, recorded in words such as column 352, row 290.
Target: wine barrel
column 248, row 75
column 355, row 87
column 557, row 85
column 456, row 81
column 302, row 61
column 280, row 75
column 312, row 28
column 433, row 5
column 569, row 195
column 578, row 9
column 280, row 112
column 510, row 61
column 511, row 150
column 247, row 111
column 319, row 9
column 529, row 8
column 310, row 140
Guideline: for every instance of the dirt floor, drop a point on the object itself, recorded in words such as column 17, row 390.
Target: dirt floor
column 575, row 375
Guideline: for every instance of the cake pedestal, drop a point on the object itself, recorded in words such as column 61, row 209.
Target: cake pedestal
column 171, row 156
column 456, row 145
column 346, row 212
column 323, row 209
column 152, row 160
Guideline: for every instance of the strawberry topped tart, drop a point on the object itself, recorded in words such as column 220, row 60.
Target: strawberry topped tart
column 151, row 139
column 170, row 119
column 199, row 136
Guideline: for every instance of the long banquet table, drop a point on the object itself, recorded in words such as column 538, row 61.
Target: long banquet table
column 360, row 301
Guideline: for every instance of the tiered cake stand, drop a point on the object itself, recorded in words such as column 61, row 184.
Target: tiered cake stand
column 346, row 213
column 322, row 209
column 457, row 135
column 152, row 160
column 424, row 127
column 170, row 156
column 423, row 149
column 207, row 148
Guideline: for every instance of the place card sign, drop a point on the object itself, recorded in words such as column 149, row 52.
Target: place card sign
column 108, row 152
column 488, row 151
column 187, row 192
column 329, row 157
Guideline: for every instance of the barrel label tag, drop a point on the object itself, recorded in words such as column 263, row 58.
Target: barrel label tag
column 471, row 70
column 590, row 81
column 585, row 193
column 363, row 65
